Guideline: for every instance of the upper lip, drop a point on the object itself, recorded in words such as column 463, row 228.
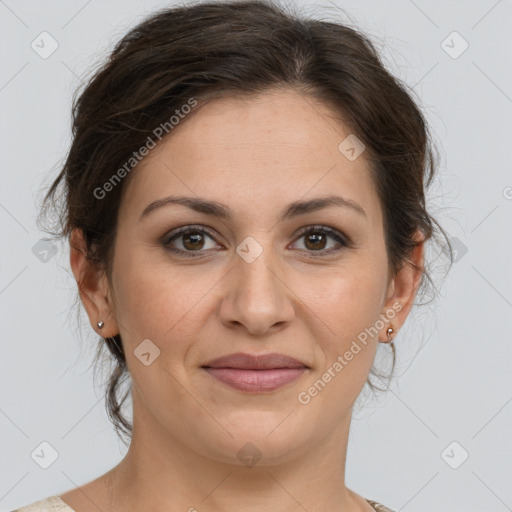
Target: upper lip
column 255, row 362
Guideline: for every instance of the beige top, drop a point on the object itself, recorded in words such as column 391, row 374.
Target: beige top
column 55, row 504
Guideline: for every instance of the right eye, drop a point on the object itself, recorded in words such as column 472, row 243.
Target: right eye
column 190, row 238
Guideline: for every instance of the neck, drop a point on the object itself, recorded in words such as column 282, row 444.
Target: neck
column 171, row 475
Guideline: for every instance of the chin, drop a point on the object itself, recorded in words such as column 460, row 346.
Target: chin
column 258, row 439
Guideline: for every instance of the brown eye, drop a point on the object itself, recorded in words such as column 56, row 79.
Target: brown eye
column 193, row 240
column 188, row 240
column 316, row 240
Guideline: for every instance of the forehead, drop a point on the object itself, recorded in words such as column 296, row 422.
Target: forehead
column 255, row 153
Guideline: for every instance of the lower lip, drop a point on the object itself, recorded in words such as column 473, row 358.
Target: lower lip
column 256, row 380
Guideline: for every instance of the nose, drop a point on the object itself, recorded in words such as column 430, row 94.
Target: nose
column 257, row 296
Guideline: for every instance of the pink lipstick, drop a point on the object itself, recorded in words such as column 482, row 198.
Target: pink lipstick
column 256, row 373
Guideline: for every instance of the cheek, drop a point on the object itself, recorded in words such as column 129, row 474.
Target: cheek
column 161, row 301
column 344, row 312
column 348, row 300
column 157, row 300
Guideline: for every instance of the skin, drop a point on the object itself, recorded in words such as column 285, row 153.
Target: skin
column 255, row 156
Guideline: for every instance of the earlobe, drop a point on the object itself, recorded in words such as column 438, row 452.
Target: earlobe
column 92, row 286
column 404, row 286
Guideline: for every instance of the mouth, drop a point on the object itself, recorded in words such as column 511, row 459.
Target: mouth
column 256, row 373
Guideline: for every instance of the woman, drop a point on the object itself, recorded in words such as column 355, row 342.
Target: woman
column 245, row 205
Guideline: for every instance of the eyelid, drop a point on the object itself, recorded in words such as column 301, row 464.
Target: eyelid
column 342, row 239
column 326, row 229
column 175, row 233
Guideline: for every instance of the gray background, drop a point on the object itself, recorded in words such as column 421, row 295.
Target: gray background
column 453, row 381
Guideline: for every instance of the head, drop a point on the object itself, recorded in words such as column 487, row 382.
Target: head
column 240, row 111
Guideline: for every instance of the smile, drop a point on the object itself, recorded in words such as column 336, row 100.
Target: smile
column 256, row 380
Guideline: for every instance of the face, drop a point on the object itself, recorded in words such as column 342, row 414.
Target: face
column 311, row 285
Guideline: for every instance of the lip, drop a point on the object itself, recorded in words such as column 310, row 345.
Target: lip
column 255, row 373
column 256, row 381
column 243, row 361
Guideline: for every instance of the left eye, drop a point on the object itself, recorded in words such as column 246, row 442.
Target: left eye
column 192, row 240
column 316, row 240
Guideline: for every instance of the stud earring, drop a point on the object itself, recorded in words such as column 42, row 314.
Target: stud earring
column 100, row 324
column 388, row 332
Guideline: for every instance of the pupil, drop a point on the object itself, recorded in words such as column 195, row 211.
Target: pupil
column 195, row 239
column 313, row 241
column 317, row 238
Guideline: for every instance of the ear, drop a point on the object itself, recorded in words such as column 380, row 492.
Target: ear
column 93, row 287
column 403, row 288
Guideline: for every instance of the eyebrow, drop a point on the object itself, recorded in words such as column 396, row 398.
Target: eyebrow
column 216, row 209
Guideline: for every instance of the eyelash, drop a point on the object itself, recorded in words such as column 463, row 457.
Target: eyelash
column 344, row 241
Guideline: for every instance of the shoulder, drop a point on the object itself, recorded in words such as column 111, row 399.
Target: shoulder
column 49, row 504
column 378, row 506
column 55, row 504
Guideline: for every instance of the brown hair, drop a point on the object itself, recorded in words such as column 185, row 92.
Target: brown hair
column 227, row 48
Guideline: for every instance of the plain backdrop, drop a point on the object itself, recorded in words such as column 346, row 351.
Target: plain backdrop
column 439, row 439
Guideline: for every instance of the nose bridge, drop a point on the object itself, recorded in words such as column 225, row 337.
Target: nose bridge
column 256, row 269
column 257, row 297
